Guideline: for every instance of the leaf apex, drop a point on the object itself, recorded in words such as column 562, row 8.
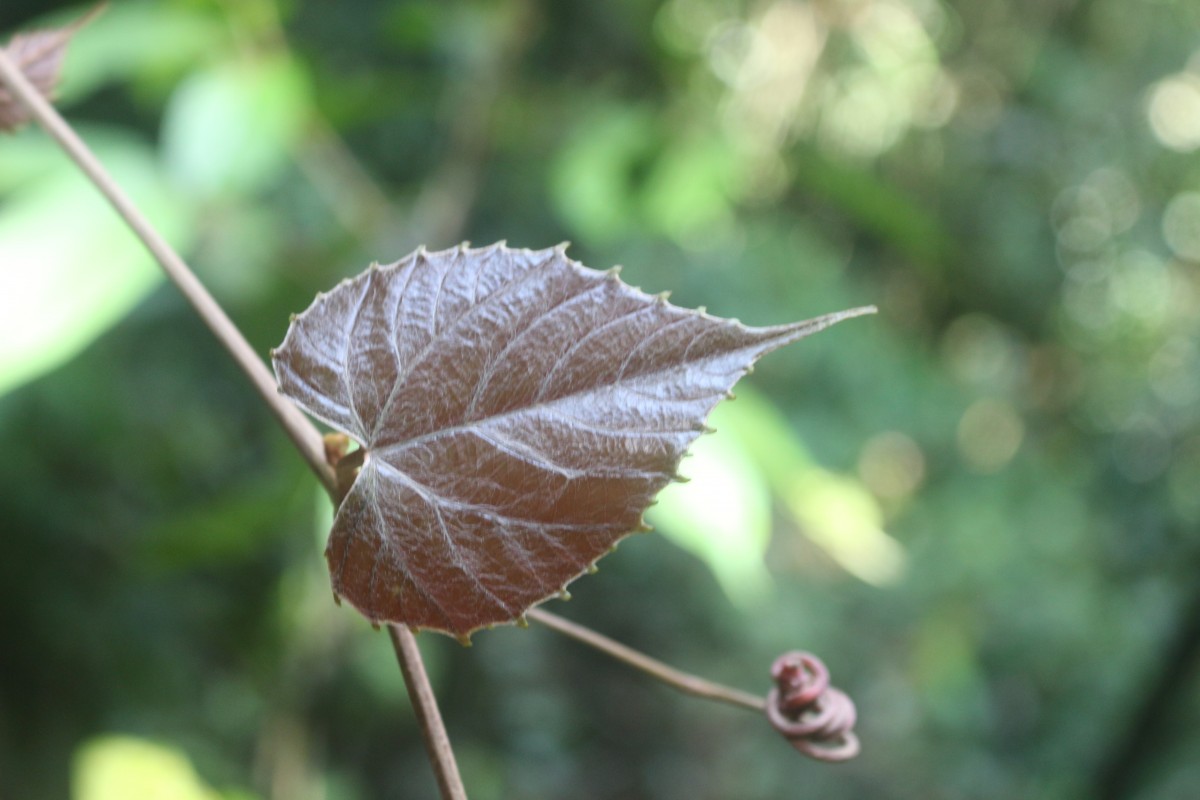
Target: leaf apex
column 592, row 569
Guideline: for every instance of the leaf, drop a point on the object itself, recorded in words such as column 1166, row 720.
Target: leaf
column 54, row 298
column 39, row 56
column 517, row 413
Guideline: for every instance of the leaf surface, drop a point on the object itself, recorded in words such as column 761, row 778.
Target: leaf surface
column 39, row 56
column 517, row 411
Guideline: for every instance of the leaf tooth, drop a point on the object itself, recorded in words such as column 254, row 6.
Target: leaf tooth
column 292, row 317
column 677, row 478
column 464, row 639
column 464, row 247
column 730, row 395
column 661, row 298
column 702, row 311
column 561, row 247
column 522, row 621
column 337, row 599
column 563, row 594
column 374, row 624
column 642, row 527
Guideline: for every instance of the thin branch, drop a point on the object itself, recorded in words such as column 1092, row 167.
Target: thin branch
column 683, row 681
column 425, row 705
column 302, row 433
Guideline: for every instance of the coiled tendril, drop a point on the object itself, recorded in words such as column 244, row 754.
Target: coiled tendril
column 813, row 716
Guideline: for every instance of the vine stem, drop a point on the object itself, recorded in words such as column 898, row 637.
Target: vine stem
column 300, row 430
column 683, row 681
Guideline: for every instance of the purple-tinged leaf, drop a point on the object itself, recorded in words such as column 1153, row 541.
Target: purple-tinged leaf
column 517, row 413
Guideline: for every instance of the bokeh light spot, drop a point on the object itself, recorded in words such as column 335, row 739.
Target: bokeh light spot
column 1174, row 112
column 1181, row 225
column 989, row 435
column 891, row 465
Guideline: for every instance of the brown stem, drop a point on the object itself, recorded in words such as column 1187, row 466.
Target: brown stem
column 683, row 681
column 302, row 432
column 425, row 705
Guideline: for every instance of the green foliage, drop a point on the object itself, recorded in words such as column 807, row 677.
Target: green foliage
column 1011, row 183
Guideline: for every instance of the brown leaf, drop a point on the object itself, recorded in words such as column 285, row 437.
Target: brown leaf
column 518, row 413
column 39, row 56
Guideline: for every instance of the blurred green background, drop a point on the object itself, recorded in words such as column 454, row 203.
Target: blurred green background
column 980, row 506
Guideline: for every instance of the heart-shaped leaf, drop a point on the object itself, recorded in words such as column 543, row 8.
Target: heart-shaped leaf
column 517, row 412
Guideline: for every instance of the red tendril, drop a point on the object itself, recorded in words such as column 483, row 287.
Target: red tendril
column 814, row 717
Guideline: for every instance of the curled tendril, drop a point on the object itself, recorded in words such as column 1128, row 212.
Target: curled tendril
column 816, row 718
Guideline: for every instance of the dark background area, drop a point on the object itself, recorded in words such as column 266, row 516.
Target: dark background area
column 979, row 506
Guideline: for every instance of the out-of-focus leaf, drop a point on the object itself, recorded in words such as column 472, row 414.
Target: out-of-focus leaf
column 837, row 513
column 143, row 42
column 722, row 513
column 517, row 412
column 687, row 193
column 39, row 57
column 231, row 128
column 68, row 267
column 122, row 767
column 592, row 180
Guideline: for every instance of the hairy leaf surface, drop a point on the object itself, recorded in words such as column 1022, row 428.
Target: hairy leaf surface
column 517, row 411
